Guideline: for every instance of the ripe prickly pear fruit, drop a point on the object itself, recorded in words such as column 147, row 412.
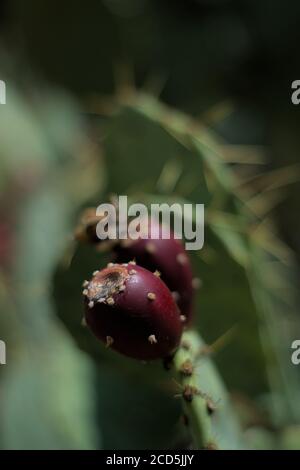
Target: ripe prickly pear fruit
column 169, row 258
column 131, row 310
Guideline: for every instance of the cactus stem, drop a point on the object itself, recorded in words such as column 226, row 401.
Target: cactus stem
column 197, row 406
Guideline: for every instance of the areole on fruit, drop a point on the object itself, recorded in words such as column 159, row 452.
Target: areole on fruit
column 131, row 310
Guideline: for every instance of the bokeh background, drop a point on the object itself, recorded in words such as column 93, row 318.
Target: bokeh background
column 86, row 115
column 195, row 54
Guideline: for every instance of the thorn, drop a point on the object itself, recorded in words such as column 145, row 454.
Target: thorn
column 109, row 341
column 211, row 406
column 151, row 296
column 150, row 247
column 85, row 283
column 95, row 272
column 157, row 273
column 132, row 262
column 122, row 288
column 91, row 304
column 101, row 300
column 110, row 301
column 182, row 318
column 187, row 368
column 110, row 265
column 175, row 296
column 85, row 292
column 152, row 339
column 189, row 392
column 196, row 283
column 178, row 395
column 132, row 271
column 211, row 446
column 205, row 350
column 218, row 344
column 181, row 258
column 179, row 386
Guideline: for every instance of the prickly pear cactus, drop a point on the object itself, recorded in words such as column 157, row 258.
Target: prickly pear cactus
column 151, row 154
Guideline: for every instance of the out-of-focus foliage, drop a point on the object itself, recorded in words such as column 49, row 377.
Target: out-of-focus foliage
column 46, row 172
column 195, row 53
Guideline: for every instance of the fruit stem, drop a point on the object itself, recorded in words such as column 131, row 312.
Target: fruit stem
column 196, row 404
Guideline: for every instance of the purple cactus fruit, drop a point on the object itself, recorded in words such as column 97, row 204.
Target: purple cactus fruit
column 166, row 256
column 131, row 310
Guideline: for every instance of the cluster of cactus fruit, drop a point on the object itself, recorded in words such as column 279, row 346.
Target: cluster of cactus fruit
column 141, row 304
column 142, row 301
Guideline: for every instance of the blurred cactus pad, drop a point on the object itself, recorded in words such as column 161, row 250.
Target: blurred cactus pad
column 61, row 388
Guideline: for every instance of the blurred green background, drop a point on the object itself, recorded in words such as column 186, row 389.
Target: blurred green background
column 196, row 54
column 183, row 100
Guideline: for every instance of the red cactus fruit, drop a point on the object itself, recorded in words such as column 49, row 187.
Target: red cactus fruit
column 169, row 258
column 133, row 311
